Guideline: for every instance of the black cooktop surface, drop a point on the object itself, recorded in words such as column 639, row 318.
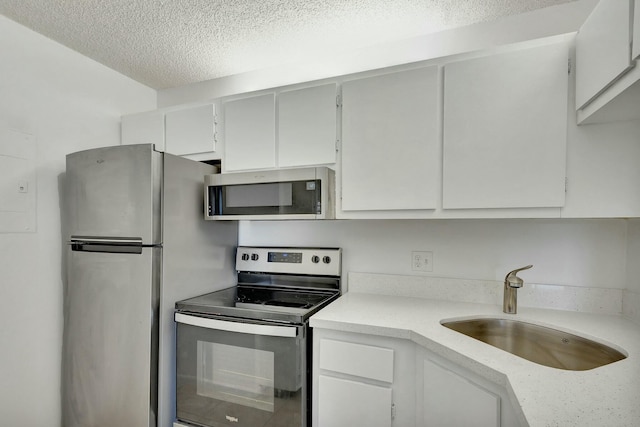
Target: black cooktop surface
column 260, row 303
column 278, row 297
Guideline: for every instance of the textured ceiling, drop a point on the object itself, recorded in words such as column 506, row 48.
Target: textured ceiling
column 169, row 43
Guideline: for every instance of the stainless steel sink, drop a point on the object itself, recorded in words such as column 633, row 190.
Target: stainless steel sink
column 539, row 344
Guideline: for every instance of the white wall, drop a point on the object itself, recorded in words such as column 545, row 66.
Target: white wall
column 69, row 103
column 581, row 253
column 585, row 253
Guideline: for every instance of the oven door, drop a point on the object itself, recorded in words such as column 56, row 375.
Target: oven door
column 240, row 373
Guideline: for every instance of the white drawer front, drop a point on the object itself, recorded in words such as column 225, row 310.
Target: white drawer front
column 357, row 359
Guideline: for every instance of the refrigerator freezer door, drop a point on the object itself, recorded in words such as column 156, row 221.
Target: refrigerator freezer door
column 115, row 191
column 111, row 339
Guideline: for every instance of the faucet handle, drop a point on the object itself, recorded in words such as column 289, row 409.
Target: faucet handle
column 512, row 280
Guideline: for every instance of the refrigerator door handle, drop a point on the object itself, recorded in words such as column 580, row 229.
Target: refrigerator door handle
column 127, row 245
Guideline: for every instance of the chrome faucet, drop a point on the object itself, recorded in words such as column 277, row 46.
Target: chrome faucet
column 511, row 285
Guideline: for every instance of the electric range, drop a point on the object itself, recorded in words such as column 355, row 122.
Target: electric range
column 243, row 354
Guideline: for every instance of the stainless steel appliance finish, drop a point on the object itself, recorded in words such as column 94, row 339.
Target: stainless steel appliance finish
column 303, row 193
column 539, row 344
column 137, row 243
column 244, row 353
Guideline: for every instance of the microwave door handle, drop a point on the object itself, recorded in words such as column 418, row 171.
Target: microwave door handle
column 244, row 328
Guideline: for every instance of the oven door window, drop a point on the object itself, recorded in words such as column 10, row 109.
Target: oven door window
column 235, row 374
column 238, row 378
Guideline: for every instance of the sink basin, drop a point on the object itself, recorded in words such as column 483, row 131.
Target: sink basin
column 539, row 344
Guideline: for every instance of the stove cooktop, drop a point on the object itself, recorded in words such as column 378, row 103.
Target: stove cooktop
column 260, row 303
column 275, row 284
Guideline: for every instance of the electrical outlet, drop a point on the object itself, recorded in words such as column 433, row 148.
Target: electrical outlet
column 422, row 261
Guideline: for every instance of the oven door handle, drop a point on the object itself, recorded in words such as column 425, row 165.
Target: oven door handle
column 244, row 328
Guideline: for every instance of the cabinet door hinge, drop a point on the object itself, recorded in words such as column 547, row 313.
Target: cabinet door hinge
column 393, row 411
column 569, row 66
column 566, row 184
column 338, row 101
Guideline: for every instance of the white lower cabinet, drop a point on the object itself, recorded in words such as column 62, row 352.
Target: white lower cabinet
column 449, row 395
column 362, row 380
column 346, row 403
column 367, row 380
column 451, row 400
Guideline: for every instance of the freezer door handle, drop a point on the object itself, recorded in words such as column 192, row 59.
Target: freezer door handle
column 127, row 245
column 244, row 328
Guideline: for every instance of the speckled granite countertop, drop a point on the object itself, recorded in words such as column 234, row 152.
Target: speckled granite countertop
column 605, row 396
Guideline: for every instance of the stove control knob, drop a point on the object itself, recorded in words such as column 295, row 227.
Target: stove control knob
column 315, row 259
column 254, row 257
column 245, row 257
column 326, row 259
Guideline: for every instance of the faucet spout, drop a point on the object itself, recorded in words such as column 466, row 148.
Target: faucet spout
column 511, row 284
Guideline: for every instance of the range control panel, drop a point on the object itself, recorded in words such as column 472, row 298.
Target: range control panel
column 313, row 261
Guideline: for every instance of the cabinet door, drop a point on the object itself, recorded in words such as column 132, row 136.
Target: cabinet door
column 307, row 126
column 346, row 403
column 249, row 133
column 505, row 130
column 143, row 128
column 452, row 401
column 190, row 130
column 390, row 145
column 603, row 50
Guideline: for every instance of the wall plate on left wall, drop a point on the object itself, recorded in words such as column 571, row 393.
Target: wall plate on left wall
column 17, row 182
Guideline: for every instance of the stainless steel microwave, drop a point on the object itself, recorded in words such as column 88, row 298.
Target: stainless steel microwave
column 304, row 193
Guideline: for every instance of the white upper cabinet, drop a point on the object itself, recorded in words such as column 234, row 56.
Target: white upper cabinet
column 505, row 129
column 307, row 126
column 190, row 130
column 250, row 133
column 607, row 73
column 390, row 141
column 281, row 129
column 143, row 128
column 603, row 50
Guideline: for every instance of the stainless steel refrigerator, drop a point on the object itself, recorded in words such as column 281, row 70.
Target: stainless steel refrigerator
column 133, row 222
